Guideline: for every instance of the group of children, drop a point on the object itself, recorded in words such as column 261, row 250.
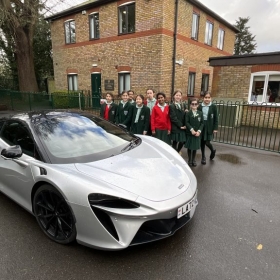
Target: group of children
column 175, row 124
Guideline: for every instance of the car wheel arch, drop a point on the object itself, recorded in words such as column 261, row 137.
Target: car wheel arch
column 41, row 183
column 43, row 186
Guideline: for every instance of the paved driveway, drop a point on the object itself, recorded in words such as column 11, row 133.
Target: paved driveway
column 234, row 233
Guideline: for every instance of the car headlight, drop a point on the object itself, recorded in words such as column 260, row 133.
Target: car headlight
column 98, row 199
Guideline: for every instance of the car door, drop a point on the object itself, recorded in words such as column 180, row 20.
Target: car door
column 16, row 178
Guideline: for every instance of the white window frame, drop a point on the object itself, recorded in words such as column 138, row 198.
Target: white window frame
column 70, row 33
column 120, row 21
column 124, row 81
column 204, row 83
column 195, row 26
column 209, row 33
column 94, row 32
column 264, row 99
column 191, row 84
column 221, row 38
column 72, row 81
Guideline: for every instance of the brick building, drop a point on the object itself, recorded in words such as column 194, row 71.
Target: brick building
column 104, row 45
column 252, row 77
column 252, row 80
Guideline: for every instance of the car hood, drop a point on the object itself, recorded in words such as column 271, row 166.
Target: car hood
column 147, row 171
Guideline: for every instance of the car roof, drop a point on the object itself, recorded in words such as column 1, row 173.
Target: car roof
column 35, row 116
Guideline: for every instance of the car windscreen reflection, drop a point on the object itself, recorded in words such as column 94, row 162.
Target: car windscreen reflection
column 76, row 138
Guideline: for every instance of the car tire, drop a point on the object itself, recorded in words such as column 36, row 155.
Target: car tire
column 54, row 215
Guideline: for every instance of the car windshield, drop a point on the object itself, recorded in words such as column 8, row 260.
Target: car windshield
column 76, row 138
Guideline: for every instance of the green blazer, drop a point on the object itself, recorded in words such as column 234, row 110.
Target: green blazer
column 143, row 121
column 125, row 114
column 195, row 122
column 212, row 118
column 177, row 118
column 113, row 111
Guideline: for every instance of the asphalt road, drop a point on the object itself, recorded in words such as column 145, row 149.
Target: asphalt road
column 233, row 235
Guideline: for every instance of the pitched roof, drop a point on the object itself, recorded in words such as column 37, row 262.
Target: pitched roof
column 97, row 3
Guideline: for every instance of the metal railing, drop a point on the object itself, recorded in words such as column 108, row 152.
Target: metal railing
column 250, row 125
column 240, row 123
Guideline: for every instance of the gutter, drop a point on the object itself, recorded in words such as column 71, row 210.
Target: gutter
column 174, row 45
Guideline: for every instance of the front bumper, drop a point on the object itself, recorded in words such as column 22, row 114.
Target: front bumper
column 132, row 227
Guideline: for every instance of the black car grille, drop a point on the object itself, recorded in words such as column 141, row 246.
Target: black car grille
column 158, row 229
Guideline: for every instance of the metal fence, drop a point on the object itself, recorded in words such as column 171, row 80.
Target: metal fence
column 240, row 123
column 249, row 125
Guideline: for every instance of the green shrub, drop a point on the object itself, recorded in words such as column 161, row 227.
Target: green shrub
column 64, row 99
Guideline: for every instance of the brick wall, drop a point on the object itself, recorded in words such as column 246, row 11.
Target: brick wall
column 148, row 51
column 261, row 117
column 231, row 81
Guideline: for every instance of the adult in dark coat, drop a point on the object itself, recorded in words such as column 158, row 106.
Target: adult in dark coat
column 109, row 109
column 194, row 124
column 124, row 111
column 177, row 117
column 210, row 117
column 140, row 117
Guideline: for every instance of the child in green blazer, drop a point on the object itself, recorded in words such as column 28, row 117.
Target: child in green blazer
column 124, row 111
column 108, row 109
column 140, row 117
column 177, row 117
column 210, row 118
column 194, row 124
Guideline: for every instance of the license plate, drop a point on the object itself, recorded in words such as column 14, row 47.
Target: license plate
column 186, row 208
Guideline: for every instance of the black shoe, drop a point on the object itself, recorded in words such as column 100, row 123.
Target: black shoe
column 203, row 160
column 194, row 163
column 213, row 153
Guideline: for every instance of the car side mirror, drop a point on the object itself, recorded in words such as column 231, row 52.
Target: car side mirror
column 12, row 152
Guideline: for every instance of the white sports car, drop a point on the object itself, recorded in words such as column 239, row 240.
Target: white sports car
column 86, row 179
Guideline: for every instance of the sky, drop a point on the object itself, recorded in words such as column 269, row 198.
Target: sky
column 264, row 17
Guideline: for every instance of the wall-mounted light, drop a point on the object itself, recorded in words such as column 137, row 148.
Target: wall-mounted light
column 94, row 65
column 180, row 61
column 84, row 12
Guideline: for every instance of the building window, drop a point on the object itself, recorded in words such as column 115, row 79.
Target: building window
column 70, row 31
column 72, row 81
column 124, row 81
column 265, row 87
column 94, row 26
column 221, row 36
column 204, row 84
column 195, row 25
column 127, row 18
column 208, row 33
column 191, row 84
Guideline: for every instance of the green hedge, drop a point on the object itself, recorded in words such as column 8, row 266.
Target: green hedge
column 65, row 99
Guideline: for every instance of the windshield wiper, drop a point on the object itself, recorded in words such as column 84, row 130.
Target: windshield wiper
column 132, row 144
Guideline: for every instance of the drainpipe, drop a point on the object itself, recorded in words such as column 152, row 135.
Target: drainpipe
column 174, row 45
